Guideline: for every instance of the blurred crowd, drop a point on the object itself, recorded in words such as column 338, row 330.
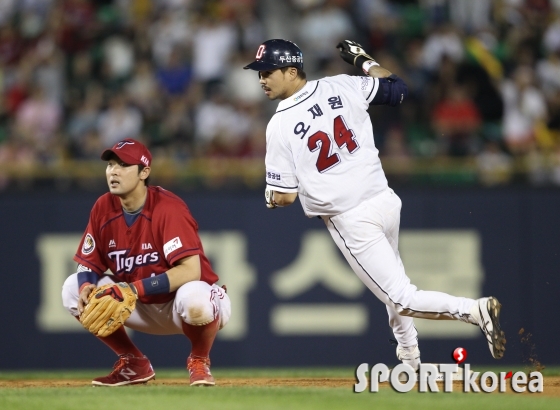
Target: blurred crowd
column 78, row 75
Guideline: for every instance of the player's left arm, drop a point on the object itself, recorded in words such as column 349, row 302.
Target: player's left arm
column 392, row 89
column 185, row 270
column 174, row 227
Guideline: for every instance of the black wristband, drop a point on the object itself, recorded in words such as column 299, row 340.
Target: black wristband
column 360, row 60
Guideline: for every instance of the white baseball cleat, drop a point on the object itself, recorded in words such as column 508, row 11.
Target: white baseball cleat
column 487, row 313
column 409, row 355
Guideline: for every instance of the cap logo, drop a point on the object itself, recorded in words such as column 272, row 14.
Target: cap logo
column 260, row 51
column 121, row 144
column 145, row 161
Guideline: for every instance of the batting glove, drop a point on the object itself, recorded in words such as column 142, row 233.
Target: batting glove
column 353, row 53
column 269, row 197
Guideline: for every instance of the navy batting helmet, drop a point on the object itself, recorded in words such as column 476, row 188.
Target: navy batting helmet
column 277, row 53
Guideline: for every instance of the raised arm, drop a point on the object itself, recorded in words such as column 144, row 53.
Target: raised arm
column 392, row 89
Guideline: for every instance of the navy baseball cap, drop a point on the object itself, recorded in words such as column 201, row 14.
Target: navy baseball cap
column 130, row 152
column 276, row 53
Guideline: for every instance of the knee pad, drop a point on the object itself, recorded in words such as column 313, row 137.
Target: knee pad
column 196, row 304
column 70, row 294
column 224, row 303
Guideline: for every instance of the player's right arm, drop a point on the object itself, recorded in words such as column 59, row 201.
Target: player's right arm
column 275, row 198
column 84, row 296
column 90, row 261
column 281, row 180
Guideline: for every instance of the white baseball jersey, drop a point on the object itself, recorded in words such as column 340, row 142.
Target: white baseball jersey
column 319, row 143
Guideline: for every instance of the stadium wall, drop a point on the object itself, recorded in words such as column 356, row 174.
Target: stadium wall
column 295, row 301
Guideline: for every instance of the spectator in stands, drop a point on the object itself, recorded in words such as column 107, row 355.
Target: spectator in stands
column 220, row 129
column 322, row 27
column 143, row 91
column 548, row 73
column 11, row 45
column 49, row 74
column 444, row 41
column 79, row 79
column 470, row 16
column 166, row 33
column 176, row 130
column 77, row 25
column 82, row 128
column 38, row 120
column 118, row 59
column 119, row 121
column 456, row 121
column 175, row 76
column 7, row 11
column 524, row 108
column 250, row 29
column 214, row 43
column 164, row 58
column 494, row 166
column 396, row 153
column 240, row 84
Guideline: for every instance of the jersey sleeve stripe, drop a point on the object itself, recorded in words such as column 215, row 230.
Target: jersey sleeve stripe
column 284, row 187
column 373, row 90
column 179, row 255
column 88, row 264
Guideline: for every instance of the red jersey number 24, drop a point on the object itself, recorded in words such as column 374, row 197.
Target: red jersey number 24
column 343, row 137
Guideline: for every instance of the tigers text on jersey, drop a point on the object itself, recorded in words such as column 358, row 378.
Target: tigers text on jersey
column 319, row 143
column 163, row 233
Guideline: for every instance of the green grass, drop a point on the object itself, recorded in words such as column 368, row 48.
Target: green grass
column 155, row 397
column 161, row 397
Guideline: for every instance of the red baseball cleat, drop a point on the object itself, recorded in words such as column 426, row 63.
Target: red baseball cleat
column 199, row 370
column 127, row 370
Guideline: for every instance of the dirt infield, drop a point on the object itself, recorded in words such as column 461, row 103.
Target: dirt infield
column 551, row 383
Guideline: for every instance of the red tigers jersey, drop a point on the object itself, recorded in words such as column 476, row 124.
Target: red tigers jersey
column 163, row 233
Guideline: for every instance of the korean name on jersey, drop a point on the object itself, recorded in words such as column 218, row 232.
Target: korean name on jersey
column 320, row 144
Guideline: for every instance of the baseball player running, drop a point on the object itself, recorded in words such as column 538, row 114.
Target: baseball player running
column 320, row 147
column 161, row 279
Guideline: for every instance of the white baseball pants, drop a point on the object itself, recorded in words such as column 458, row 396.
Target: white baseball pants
column 368, row 237
column 195, row 303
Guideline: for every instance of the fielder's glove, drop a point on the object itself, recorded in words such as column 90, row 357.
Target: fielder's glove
column 353, row 53
column 108, row 307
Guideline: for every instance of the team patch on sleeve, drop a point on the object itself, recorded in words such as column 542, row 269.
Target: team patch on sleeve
column 172, row 245
column 365, row 81
column 273, row 176
column 88, row 245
